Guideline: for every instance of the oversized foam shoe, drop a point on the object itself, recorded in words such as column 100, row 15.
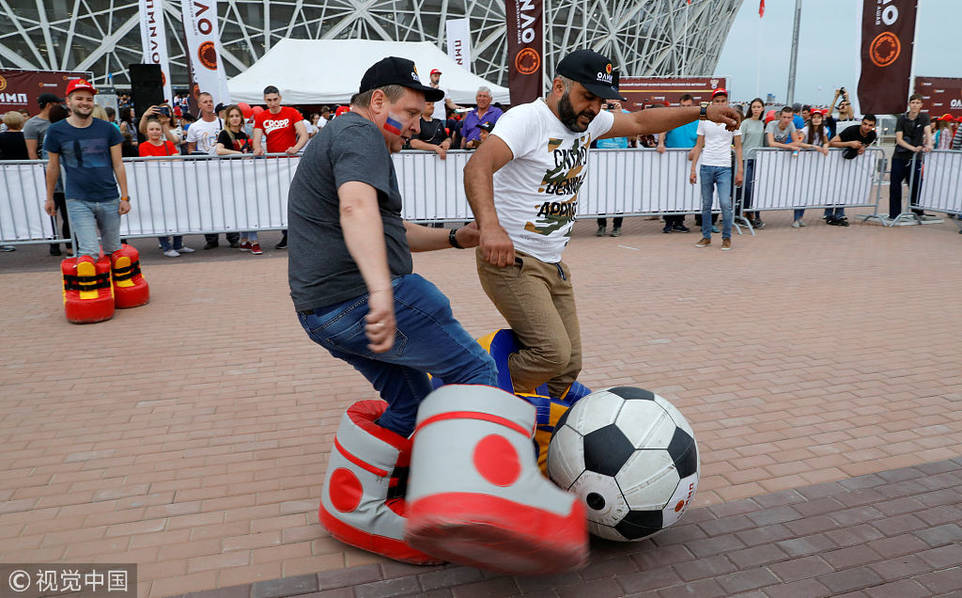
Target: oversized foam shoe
column 500, row 344
column 475, row 495
column 130, row 288
column 87, row 293
column 362, row 500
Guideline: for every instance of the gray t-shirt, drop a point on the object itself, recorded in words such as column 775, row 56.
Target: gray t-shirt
column 320, row 269
column 781, row 135
column 753, row 137
column 36, row 128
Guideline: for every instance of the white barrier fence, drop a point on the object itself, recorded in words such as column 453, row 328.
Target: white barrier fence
column 941, row 189
column 200, row 194
column 811, row 179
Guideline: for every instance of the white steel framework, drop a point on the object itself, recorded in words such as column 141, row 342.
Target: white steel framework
column 643, row 37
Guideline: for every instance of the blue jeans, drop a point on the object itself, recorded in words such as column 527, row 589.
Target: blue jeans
column 835, row 213
column 799, row 214
column 87, row 217
column 748, row 185
column 719, row 177
column 165, row 243
column 428, row 340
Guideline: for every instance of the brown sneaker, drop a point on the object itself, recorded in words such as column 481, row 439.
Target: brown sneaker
column 726, row 244
column 703, row 242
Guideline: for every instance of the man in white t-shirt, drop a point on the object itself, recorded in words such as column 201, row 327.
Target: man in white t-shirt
column 202, row 133
column 523, row 184
column 714, row 145
column 439, row 112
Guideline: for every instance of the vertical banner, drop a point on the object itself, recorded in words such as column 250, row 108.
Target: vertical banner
column 203, row 49
column 525, row 35
column 888, row 34
column 459, row 42
column 153, row 35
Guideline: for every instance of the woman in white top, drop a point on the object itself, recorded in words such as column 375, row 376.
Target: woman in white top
column 753, row 137
column 815, row 136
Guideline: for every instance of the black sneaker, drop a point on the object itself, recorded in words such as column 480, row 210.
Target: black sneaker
column 282, row 244
column 55, row 250
column 831, row 221
column 210, row 245
column 843, row 221
column 680, row 228
column 667, row 229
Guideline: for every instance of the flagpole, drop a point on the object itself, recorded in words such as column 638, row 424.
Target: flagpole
column 790, row 96
column 915, row 36
column 684, row 51
column 758, row 58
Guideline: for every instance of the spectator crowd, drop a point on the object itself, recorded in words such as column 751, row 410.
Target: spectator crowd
column 171, row 130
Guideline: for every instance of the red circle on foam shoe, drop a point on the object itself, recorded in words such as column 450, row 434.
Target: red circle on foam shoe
column 496, row 460
column 345, row 490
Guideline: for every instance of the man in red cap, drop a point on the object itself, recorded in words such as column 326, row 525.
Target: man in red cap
column 89, row 150
column 439, row 112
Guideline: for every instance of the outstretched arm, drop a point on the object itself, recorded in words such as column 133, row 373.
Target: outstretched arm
column 659, row 120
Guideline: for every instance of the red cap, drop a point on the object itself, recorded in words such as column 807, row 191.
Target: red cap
column 819, row 111
column 946, row 116
column 435, row 71
column 178, row 112
column 341, row 110
column 78, row 84
column 718, row 92
column 958, row 119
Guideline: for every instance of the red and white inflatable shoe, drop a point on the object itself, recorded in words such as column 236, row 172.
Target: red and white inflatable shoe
column 130, row 288
column 87, row 293
column 362, row 500
column 475, row 494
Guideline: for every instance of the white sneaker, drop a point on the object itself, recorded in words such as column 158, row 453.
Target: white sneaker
column 186, row 250
column 172, row 253
column 796, row 224
column 801, row 223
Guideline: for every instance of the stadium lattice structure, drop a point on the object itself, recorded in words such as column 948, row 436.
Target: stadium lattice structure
column 643, row 37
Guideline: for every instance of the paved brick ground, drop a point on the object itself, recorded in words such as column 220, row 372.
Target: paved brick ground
column 190, row 435
column 892, row 534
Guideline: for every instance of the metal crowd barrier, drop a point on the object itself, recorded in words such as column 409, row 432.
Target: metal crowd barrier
column 941, row 189
column 784, row 181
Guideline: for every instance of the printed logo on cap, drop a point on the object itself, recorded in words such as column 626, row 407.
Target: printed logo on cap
column 527, row 61
column 3, row 83
column 606, row 77
column 414, row 74
column 608, row 68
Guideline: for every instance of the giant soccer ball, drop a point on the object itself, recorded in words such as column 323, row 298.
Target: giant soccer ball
column 630, row 456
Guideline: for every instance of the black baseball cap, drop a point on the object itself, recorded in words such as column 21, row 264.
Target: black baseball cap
column 594, row 71
column 48, row 98
column 397, row 71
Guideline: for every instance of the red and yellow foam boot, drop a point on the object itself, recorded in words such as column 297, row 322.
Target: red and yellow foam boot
column 475, row 494
column 362, row 500
column 87, row 293
column 130, row 288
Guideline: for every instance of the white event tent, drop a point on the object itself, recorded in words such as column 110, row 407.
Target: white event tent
column 329, row 71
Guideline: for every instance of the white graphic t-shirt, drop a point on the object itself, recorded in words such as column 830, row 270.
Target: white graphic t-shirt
column 204, row 134
column 536, row 193
column 718, row 143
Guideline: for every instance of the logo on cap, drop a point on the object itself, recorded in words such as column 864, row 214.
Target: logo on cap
column 608, row 68
column 3, row 83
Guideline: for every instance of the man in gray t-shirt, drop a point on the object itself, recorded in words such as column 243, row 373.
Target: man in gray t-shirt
column 350, row 268
column 781, row 132
column 33, row 133
column 350, row 273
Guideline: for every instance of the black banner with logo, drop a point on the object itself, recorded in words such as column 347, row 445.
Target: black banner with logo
column 525, row 21
column 888, row 33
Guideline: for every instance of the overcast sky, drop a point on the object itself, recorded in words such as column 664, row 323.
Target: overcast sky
column 828, row 47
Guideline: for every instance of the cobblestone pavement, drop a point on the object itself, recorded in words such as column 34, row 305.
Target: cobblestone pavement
column 819, row 368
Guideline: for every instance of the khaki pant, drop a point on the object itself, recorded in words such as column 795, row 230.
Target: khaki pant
column 538, row 302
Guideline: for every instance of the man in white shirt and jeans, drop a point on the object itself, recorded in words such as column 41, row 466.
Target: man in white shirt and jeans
column 523, row 184
column 714, row 145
